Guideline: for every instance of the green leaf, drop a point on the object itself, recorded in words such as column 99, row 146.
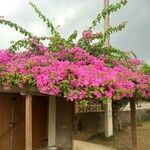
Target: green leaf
column 84, row 103
column 107, row 11
column 16, row 27
column 45, row 20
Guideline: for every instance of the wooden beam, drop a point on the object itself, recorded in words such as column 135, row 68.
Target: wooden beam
column 52, row 121
column 133, row 125
column 76, row 107
column 108, row 106
column 28, row 122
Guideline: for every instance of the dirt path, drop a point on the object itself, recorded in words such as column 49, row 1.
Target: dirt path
column 122, row 140
column 79, row 145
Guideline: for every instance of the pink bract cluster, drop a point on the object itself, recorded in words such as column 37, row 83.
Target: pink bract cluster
column 73, row 73
column 87, row 34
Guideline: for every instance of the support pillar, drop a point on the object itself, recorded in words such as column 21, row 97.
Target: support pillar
column 52, row 121
column 28, row 122
column 108, row 119
column 133, row 125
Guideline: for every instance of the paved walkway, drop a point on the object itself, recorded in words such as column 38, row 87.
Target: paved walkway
column 79, row 145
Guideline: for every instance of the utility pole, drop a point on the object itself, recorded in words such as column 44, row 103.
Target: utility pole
column 108, row 105
column 106, row 23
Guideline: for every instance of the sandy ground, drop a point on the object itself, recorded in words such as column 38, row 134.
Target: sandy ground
column 80, row 145
column 122, row 140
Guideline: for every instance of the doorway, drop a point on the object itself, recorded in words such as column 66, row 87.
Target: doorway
column 12, row 118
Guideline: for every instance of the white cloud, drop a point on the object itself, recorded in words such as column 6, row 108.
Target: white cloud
column 7, row 35
column 77, row 15
column 37, row 29
column 62, row 19
column 9, row 6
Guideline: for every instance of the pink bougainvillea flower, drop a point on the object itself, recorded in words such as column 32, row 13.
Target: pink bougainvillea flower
column 73, row 73
column 87, row 34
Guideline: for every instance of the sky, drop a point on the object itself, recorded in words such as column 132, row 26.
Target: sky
column 77, row 15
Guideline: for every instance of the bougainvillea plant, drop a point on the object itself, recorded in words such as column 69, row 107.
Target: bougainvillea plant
column 79, row 71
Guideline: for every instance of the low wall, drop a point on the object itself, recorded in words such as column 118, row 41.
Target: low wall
column 90, row 121
column 90, row 124
column 141, row 116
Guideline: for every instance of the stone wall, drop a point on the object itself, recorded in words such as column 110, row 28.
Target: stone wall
column 88, row 125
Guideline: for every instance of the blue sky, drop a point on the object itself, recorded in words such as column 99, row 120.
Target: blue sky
column 78, row 14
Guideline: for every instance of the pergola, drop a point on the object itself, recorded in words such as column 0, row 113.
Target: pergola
column 52, row 112
column 52, row 120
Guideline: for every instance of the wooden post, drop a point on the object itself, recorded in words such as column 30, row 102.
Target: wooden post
column 52, row 121
column 28, row 122
column 133, row 124
column 76, row 107
column 108, row 106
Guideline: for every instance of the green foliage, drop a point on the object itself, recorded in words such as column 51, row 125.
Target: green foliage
column 72, row 37
column 107, row 11
column 16, row 79
column 85, row 44
column 18, row 44
column 56, row 41
column 104, row 100
column 44, row 19
column 16, row 27
column 84, row 103
column 89, row 44
column 65, row 87
column 6, row 80
column 146, row 69
column 30, row 81
column 25, row 43
column 113, row 54
column 110, row 31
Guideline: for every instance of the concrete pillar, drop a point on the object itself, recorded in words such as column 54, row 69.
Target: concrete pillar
column 52, row 121
column 108, row 119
